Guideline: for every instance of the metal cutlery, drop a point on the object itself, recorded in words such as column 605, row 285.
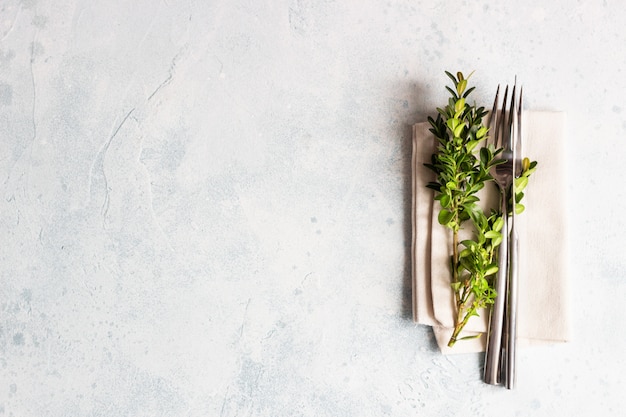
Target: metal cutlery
column 513, row 281
column 500, row 356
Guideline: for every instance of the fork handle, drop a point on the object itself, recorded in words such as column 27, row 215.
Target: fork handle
column 496, row 321
column 511, row 311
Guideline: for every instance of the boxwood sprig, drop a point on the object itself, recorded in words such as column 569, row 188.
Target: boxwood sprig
column 462, row 169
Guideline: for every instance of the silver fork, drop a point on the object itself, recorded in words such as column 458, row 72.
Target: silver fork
column 499, row 359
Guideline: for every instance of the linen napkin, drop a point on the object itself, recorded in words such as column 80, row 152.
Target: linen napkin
column 543, row 307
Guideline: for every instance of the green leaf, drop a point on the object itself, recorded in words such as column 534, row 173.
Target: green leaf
column 529, row 172
column 491, row 269
column 468, row 263
column 459, row 105
column 445, row 200
column 482, row 284
column 492, row 234
column 461, row 86
column 451, row 77
column 469, row 243
column 475, row 336
column 458, row 130
column 452, row 92
column 471, row 145
column 498, row 224
column 519, row 208
column 520, row 183
column 453, row 123
column 444, row 217
column 468, row 92
column 485, row 156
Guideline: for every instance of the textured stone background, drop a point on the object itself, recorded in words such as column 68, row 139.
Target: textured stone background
column 204, row 205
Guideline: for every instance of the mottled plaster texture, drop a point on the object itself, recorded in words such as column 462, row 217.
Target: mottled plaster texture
column 205, row 205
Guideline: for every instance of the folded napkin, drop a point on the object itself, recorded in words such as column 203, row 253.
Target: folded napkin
column 542, row 228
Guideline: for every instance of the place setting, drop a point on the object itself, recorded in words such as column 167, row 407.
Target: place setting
column 489, row 227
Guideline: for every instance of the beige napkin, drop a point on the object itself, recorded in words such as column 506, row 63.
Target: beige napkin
column 542, row 228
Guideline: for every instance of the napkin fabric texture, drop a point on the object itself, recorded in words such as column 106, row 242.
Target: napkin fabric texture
column 542, row 228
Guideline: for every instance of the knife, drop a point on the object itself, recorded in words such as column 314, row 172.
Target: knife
column 510, row 357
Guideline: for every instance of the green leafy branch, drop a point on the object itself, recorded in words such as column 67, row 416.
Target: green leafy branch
column 521, row 182
column 461, row 172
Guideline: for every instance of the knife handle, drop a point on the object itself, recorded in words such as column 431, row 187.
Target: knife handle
column 496, row 321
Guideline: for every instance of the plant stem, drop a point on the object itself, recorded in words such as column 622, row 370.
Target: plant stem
column 460, row 323
column 455, row 262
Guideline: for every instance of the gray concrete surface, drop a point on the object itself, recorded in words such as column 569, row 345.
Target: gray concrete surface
column 205, row 204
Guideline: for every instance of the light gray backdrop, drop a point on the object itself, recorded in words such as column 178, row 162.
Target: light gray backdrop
column 204, row 205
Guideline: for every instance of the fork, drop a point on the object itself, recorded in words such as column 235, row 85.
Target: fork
column 499, row 359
